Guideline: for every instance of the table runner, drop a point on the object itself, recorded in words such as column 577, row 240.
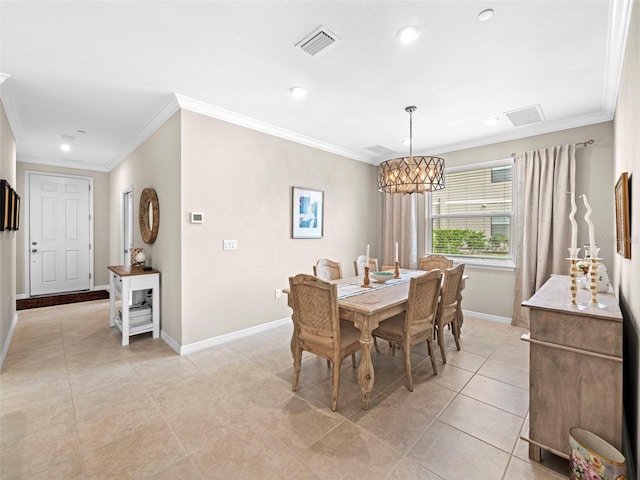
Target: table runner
column 355, row 288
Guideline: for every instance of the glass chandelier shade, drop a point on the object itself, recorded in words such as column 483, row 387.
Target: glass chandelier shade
column 412, row 174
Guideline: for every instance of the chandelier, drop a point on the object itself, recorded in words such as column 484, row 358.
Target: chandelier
column 411, row 174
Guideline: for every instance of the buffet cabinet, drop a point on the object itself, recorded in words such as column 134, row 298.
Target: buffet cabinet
column 575, row 367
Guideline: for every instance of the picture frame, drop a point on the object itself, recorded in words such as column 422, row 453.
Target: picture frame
column 623, row 234
column 4, row 205
column 307, row 213
column 12, row 210
column 16, row 212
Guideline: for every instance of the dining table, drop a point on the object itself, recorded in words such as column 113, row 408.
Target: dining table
column 366, row 307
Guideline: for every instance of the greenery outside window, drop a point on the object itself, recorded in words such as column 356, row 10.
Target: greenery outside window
column 472, row 219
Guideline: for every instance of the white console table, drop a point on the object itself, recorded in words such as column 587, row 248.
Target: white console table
column 123, row 280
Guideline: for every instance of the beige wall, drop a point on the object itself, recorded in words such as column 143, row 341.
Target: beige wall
column 492, row 291
column 7, row 239
column 154, row 164
column 241, row 180
column 100, row 223
column 626, row 271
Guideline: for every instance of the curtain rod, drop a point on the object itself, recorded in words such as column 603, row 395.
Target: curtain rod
column 579, row 144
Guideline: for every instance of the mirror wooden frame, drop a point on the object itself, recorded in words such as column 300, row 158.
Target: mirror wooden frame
column 623, row 234
column 148, row 228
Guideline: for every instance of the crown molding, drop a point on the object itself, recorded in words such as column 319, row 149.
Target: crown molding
column 163, row 114
column 619, row 21
column 202, row 108
column 7, row 98
column 525, row 132
column 75, row 165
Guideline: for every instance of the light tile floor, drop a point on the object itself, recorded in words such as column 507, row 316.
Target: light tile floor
column 74, row 405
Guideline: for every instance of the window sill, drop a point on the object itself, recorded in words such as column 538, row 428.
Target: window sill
column 505, row 267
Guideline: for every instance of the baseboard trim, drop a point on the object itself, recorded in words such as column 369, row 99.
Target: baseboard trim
column 170, row 341
column 227, row 337
column 23, row 296
column 5, row 347
column 487, row 316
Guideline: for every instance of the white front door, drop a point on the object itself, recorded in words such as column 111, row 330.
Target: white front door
column 59, row 234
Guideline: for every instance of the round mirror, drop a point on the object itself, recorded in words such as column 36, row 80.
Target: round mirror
column 149, row 215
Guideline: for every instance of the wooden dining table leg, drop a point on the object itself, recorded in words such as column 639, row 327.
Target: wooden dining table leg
column 365, row 371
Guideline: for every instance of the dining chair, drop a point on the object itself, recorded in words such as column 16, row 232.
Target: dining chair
column 416, row 324
column 326, row 269
column 317, row 327
column 360, row 262
column 448, row 306
column 434, row 261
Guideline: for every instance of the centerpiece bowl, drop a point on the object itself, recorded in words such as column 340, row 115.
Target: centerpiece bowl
column 382, row 276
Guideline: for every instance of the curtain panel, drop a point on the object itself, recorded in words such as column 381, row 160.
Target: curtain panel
column 545, row 179
column 400, row 224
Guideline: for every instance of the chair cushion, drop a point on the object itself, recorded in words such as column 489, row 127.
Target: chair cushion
column 391, row 328
column 349, row 334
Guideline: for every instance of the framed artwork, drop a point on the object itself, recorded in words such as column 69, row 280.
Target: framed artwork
column 307, row 217
column 623, row 235
column 5, row 200
column 12, row 209
column 16, row 212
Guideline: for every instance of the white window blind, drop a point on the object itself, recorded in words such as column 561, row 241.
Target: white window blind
column 473, row 216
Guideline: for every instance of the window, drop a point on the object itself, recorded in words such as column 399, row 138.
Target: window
column 472, row 217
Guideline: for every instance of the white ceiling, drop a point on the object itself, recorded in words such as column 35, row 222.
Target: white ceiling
column 117, row 70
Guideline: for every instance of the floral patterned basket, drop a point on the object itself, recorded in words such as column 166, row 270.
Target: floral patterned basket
column 594, row 459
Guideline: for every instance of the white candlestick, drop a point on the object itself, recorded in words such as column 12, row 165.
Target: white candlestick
column 396, row 251
column 592, row 237
column 367, row 263
column 574, row 224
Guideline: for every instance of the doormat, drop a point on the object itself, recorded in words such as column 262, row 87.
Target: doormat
column 50, row 300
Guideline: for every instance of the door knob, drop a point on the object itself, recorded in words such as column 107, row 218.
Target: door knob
column 34, row 243
column 34, row 250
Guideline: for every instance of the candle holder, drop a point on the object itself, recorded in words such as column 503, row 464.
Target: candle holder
column 573, row 273
column 593, row 280
column 365, row 281
column 396, row 270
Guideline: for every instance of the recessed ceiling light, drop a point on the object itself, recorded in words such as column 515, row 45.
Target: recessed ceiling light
column 492, row 121
column 66, row 145
column 485, row 15
column 408, row 34
column 298, row 92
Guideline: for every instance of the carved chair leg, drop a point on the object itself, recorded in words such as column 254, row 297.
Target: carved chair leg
column 407, row 367
column 456, row 334
column 328, row 363
column 441, row 343
column 335, row 382
column 297, row 361
column 353, row 360
column 432, row 356
column 375, row 344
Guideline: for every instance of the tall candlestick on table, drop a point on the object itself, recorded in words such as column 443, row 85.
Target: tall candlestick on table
column 592, row 237
column 396, row 251
column 367, row 263
column 574, row 224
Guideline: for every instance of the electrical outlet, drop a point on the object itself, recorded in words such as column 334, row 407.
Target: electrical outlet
column 278, row 292
column 229, row 244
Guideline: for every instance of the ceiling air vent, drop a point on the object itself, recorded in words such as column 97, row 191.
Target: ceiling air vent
column 380, row 150
column 317, row 41
column 525, row 116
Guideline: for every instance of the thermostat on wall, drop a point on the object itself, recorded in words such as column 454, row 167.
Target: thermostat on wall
column 197, row 217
